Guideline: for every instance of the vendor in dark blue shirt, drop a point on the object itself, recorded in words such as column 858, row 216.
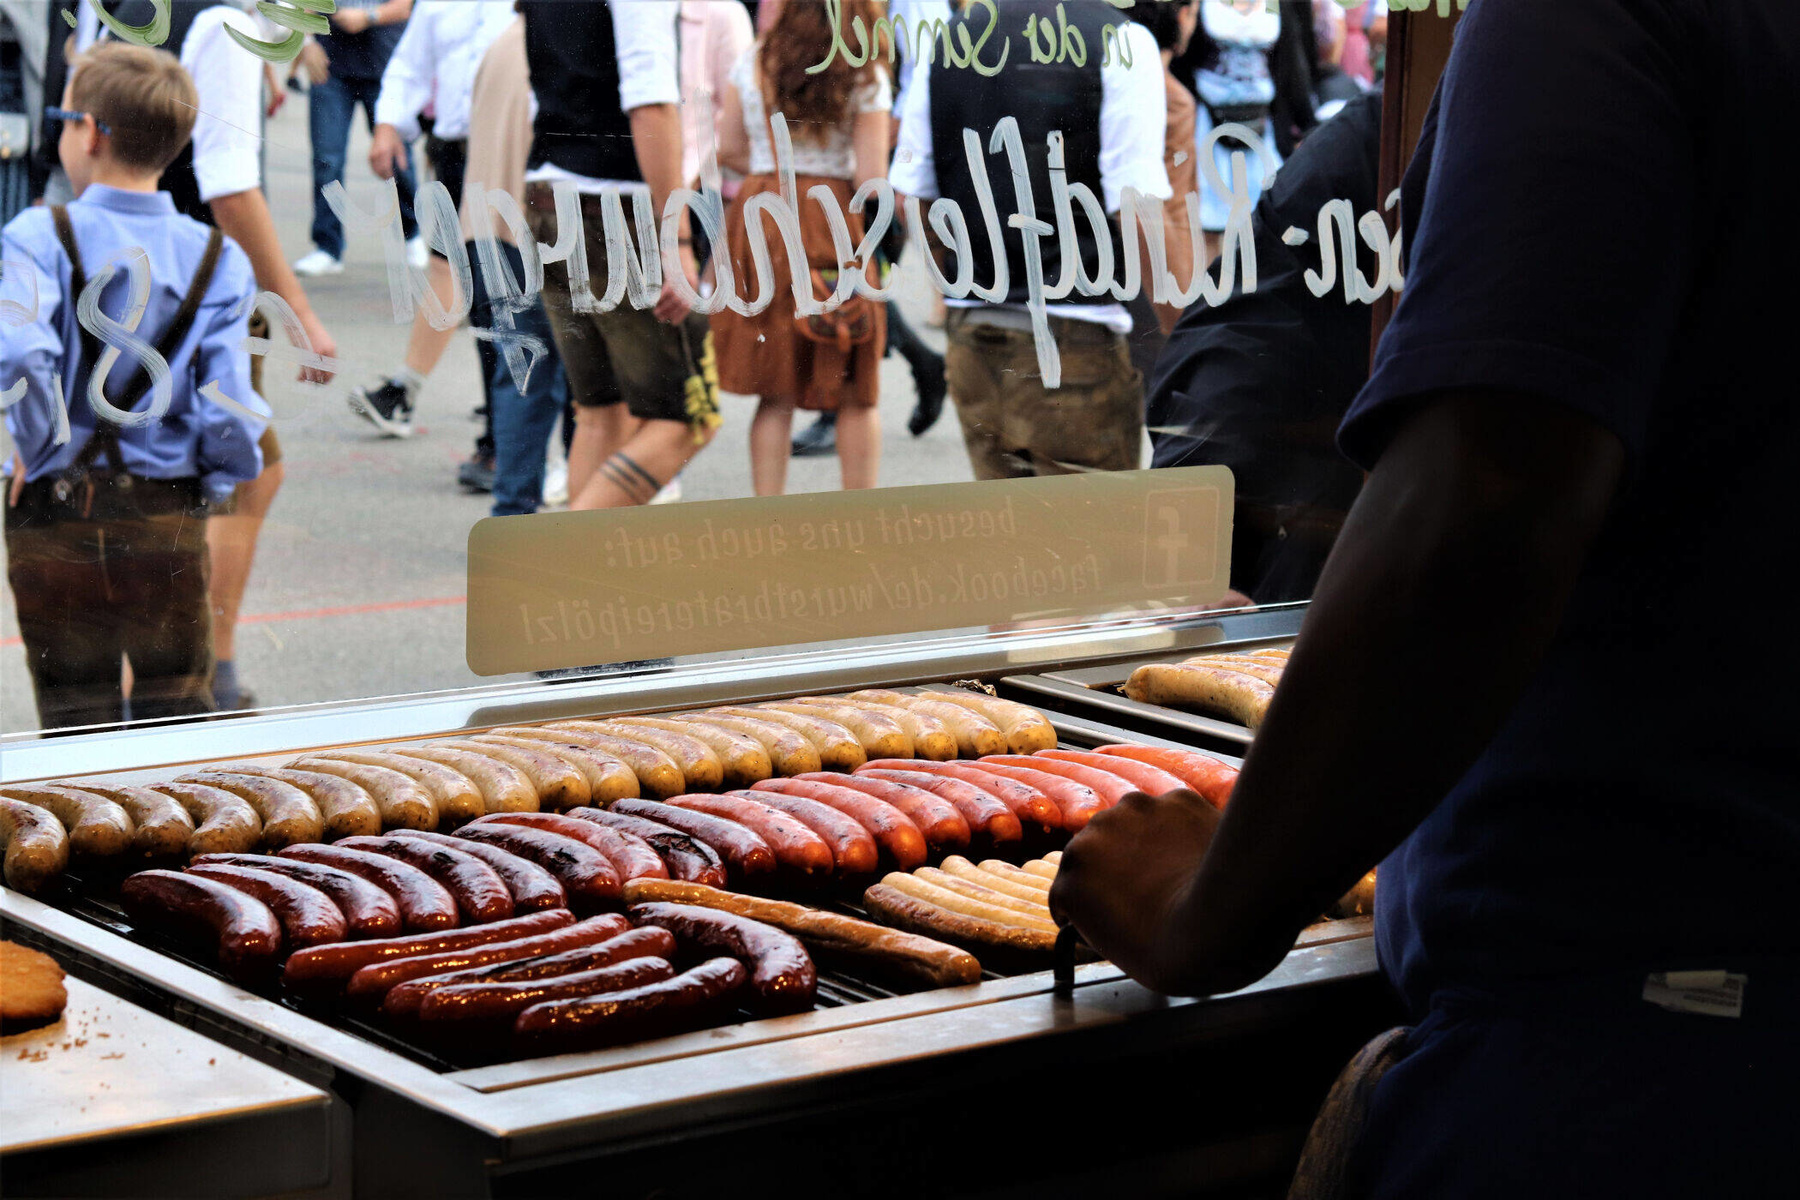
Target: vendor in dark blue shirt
column 1547, row 674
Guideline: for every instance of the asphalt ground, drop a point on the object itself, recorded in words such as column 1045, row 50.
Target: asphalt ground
column 360, row 576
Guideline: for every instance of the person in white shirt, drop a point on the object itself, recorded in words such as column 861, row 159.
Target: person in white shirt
column 1110, row 119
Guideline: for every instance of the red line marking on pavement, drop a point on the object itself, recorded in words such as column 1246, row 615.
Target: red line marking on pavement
column 341, row 610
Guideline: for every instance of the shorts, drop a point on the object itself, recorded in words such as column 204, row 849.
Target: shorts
column 450, row 163
column 659, row 372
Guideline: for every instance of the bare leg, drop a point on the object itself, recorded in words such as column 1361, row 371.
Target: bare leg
column 425, row 345
column 771, row 440
column 632, row 475
column 231, row 547
column 600, row 432
column 859, row 446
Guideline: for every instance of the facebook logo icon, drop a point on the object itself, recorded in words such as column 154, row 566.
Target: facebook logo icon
column 1180, row 537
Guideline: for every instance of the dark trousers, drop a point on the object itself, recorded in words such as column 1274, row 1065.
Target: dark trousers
column 520, row 419
column 93, row 592
column 330, row 106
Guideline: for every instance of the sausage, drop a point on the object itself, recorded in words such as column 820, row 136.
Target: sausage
column 425, row 904
column 1075, row 800
column 987, row 815
column 742, row 848
column 789, row 752
column 533, row 888
column 1273, row 653
column 797, row 848
column 853, row 850
column 243, row 928
column 348, row 808
column 334, row 964
column 1042, row 868
column 37, row 846
column 481, row 895
column 608, row 779
column 657, row 773
column 1111, row 788
column 557, row 783
column 930, row 737
column 943, row 827
column 894, row 832
column 905, row 911
column 687, row 857
column 1142, row 776
column 1034, row 809
column 404, row 803
column 975, row 734
column 879, row 736
column 97, row 827
column 701, row 769
column 1019, row 875
column 503, row 787
column 453, row 796
column 899, row 956
column 369, row 910
column 288, row 814
column 1027, row 730
column 1244, row 664
column 403, row 1000
column 223, row 822
column 1211, row 778
column 1037, row 896
column 743, row 759
column 586, row 875
column 974, row 890
column 689, row 1001
column 163, row 827
column 504, row 1000
column 782, row 976
column 631, row 857
column 958, row 900
column 308, row 916
column 376, row 978
column 1230, row 694
column 838, row 748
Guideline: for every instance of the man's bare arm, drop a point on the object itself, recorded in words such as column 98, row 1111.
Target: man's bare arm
column 244, row 217
column 656, row 137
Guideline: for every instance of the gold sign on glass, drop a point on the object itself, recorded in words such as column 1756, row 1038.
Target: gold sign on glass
column 572, row 589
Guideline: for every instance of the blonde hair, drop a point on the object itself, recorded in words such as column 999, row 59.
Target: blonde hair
column 143, row 96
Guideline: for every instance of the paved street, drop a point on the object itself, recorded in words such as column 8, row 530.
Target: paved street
column 359, row 582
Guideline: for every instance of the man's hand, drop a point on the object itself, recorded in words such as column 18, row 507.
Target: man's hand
column 671, row 308
column 277, row 93
column 1125, row 879
column 351, row 20
column 322, row 343
column 387, row 152
column 17, row 487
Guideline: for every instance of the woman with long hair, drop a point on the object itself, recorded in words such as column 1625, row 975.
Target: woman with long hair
column 837, row 123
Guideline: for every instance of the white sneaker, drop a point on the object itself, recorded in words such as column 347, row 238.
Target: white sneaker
column 669, row 494
column 556, row 484
column 318, row 263
column 416, row 253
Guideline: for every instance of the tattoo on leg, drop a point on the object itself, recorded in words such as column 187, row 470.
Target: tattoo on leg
column 630, row 478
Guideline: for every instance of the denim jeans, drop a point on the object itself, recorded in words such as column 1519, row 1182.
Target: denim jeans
column 520, row 421
column 330, row 106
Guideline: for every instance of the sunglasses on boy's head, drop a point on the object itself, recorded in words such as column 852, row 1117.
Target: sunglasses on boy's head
column 69, row 114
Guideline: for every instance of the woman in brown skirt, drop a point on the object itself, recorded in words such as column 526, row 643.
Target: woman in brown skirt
column 837, row 121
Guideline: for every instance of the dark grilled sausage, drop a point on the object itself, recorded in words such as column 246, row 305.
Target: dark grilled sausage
column 688, row 1001
column 533, row 888
column 369, row 911
column 853, row 850
column 481, row 895
column 586, row 874
column 484, row 1002
column 325, row 965
column 689, row 859
column 782, row 976
column 743, row 850
column 987, row 814
column 630, row 855
column 1034, row 809
column 943, row 827
column 894, row 832
column 798, row 849
column 243, row 929
column 403, row 999
column 376, row 978
column 425, row 904
column 308, row 916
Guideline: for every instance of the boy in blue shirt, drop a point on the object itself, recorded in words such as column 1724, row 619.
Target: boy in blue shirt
column 105, row 536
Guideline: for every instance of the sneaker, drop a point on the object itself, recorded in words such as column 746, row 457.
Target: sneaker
column 670, row 493
column 389, row 408
column 476, row 474
column 416, row 253
column 819, row 438
column 556, row 484
column 318, row 263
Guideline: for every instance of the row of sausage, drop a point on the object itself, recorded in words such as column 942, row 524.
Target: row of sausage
column 1238, row 687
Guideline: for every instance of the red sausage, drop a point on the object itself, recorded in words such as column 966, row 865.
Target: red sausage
column 533, row 888
column 333, row 964
column 782, row 976
column 943, row 827
column 1031, row 806
column 1208, row 776
column 425, row 904
column 797, row 848
column 631, row 856
column 985, row 812
column 369, row 912
column 688, row 858
column 688, row 1001
column 853, row 851
column 244, row 929
column 585, row 873
column 308, row 917
column 403, row 1000
column 481, row 894
column 1143, row 777
column 505, row 1000
column 742, row 849
column 376, row 978
column 1077, row 801
column 1110, row 786
column 897, row 836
